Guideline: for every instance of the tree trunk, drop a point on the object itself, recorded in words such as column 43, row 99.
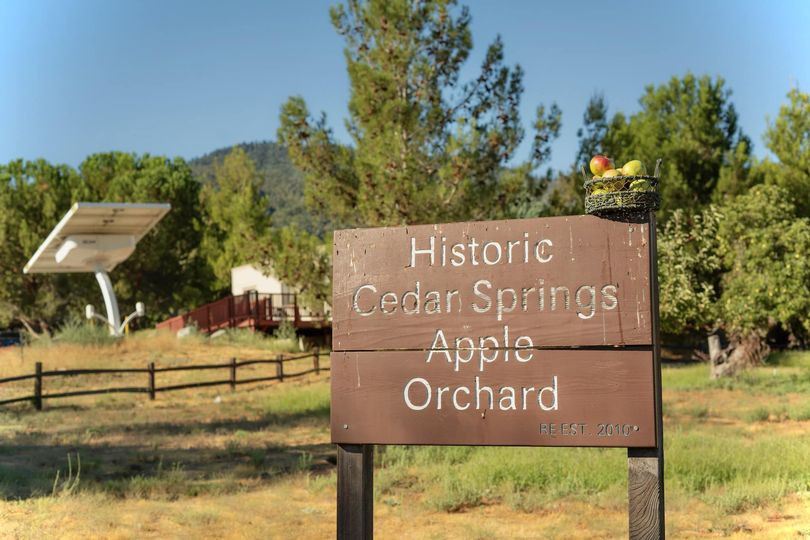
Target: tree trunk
column 745, row 351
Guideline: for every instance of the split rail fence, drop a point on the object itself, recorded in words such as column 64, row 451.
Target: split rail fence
column 151, row 371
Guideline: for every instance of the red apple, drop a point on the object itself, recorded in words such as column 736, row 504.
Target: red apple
column 600, row 164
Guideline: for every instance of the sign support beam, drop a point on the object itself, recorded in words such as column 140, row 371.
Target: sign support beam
column 355, row 492
column 645, row 466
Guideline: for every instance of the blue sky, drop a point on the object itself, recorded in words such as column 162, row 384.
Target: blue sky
column 186, row 77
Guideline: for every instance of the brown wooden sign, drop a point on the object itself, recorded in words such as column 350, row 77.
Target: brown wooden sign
column 567, row 281
column 534, row 332
column 524, row 397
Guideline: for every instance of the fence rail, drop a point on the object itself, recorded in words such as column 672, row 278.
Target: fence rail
column 151, row 388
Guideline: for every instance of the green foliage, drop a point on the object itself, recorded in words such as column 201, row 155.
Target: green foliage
column 689, row 266
column 691, row 124
column 593, row 132
column 285, row 331
column 282, row 184
column 426, row 146
column 742, row 267
column 34, row 195
column 788, row 137
column 236, row 216
column 303, row 260
column 766, row 247
column 166, row 271
column 567, row 195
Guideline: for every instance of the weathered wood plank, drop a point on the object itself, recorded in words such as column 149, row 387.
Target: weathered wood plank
column 644, row 487
column 355, row 492
column 567, row 281
column 592, row 387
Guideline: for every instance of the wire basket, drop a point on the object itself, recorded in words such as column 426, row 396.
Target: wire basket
column 622, row 193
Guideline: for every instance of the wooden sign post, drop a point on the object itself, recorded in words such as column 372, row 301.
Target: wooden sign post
column 535, row 332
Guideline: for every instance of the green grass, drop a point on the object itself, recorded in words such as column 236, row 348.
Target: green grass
column 257, row 340
column 462, row 476
column 287, row 402
column 783, row 373
column 734, row 473
column 723, row 466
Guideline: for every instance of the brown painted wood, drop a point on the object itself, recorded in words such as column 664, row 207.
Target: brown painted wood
column 233, row 374
column 593, row 387
column 584, row 251
column 355, row 492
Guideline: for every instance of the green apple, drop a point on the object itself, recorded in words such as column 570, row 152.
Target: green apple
column 642, row 184
column 616, row 185
column 634, row 168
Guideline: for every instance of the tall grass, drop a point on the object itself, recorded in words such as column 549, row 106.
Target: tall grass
column 732, row 473
column 76, row 331
column 257, row 340
column 736, row 473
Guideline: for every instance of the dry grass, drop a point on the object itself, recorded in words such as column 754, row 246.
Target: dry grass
column 163, row 348
column 257, row 462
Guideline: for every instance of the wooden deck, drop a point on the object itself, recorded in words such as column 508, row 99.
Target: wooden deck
column 250, row 310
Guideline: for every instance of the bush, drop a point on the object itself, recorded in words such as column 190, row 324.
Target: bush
column 80, row 332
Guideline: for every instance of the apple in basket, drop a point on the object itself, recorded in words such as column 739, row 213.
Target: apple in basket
column 600, row 164
column 634, row 168
column 615, row 185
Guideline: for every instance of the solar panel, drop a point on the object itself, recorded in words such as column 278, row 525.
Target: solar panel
column 95, row 236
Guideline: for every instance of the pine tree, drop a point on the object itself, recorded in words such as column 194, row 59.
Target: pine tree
column 235, row 216
column 425, row 145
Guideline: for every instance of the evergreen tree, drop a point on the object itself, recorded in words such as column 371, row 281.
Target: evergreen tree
column 34, row 195
column 788, row 137
column 691, row 124
column 567, row 196
column 235, row 216
column 426, row 146
column 593, row 132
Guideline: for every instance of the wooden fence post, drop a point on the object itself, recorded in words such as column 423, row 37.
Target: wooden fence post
column 38, row 386
column 316, row 360
column 233, row 374
column 152, row 381
column 279, row 369
column 355, row 492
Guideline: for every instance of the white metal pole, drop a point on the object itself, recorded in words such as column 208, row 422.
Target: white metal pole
column 110, row 302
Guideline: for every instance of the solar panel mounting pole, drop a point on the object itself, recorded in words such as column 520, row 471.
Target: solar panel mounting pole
column 110, row 301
